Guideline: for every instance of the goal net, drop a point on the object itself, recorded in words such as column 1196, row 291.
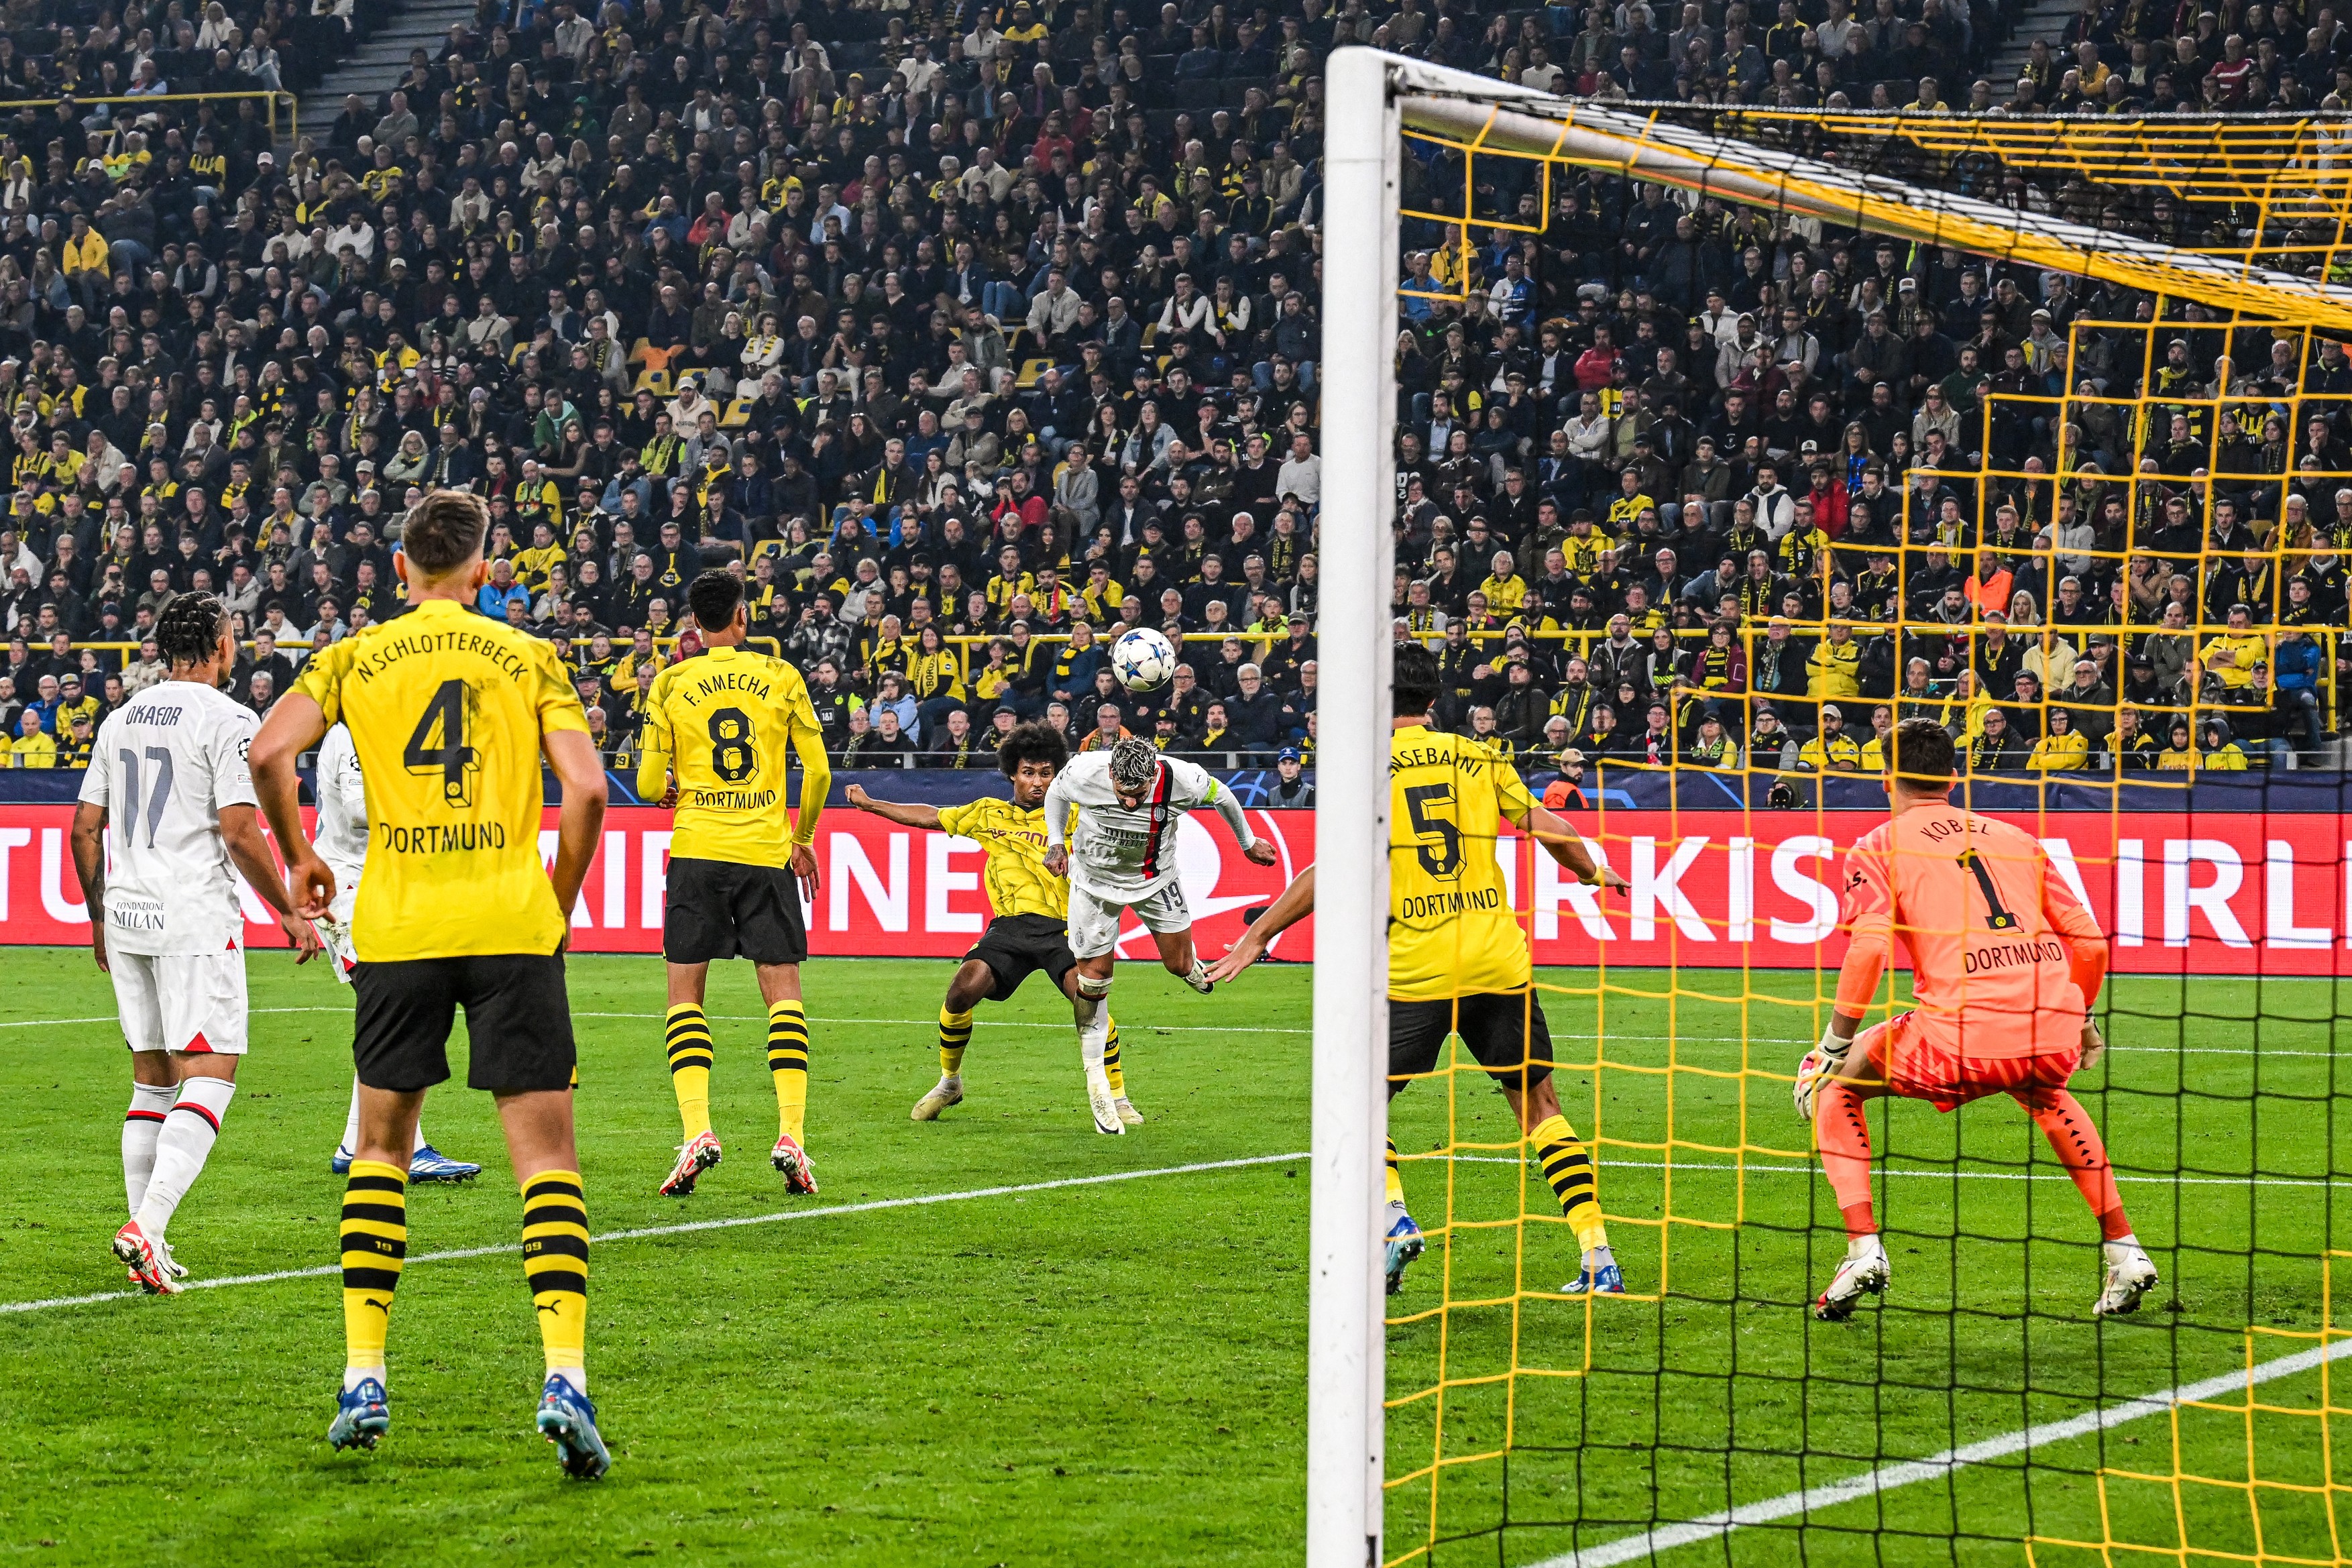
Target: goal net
column 2074, row 494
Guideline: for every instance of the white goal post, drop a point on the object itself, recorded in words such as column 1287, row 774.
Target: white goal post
column 1345, row 1364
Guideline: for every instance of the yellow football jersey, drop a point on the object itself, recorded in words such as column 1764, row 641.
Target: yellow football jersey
column 1451, row 929
column 1018, row 883
column 446, row 709
column 725, row 724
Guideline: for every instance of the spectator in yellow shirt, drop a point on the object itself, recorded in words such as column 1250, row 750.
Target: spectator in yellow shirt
column 532, row 565
column 1832, row 750
column 2231, row 655
column 33, row 748
column 84, row 261
column 1835, row 665
column 1506, row 593
column 81, row 737
column 2063, row 749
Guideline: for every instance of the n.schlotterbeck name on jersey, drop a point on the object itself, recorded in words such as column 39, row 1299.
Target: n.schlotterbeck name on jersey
column 409, row 644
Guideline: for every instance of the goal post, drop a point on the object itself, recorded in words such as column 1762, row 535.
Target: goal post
column 1346, row 1360
column 1347, row 1365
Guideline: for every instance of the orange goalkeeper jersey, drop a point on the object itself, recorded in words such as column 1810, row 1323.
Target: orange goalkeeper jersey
column 1986, row 922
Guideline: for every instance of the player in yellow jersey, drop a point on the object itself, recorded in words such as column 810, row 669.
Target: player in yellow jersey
column 1030, row 929
column 1458, row 960
column 721, row 731
column 450, row 712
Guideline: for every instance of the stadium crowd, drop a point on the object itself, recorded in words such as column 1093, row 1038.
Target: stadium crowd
column 974, row 335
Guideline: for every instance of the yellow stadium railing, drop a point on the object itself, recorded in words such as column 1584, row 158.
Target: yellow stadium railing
column 269, row 101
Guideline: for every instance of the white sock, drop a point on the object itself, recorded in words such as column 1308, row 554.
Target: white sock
column 150, row 1102
column 1094, row 1030
column 351, row 1144
column 2122, row 1246
column 1599, row 1258
column 180, row 1150
column 577, row 1376
column 355, row 1375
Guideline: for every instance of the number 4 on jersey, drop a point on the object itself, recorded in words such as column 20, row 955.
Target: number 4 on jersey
column 437, row 745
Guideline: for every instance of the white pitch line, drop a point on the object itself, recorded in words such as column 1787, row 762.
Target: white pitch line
column 691, row 1227
column 1757, row 1167
column 1888, row 1477
column 1239, row 1030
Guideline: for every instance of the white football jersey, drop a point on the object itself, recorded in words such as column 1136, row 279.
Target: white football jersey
column 342, row 831
column 165, row 764
column 1119, row 855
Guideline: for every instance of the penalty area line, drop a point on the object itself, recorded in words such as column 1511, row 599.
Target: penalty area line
column 1937, row 1467
column 690, row 1227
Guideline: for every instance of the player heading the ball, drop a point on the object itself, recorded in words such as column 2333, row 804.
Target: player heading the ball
column 1126, row 803
column 1029, row 930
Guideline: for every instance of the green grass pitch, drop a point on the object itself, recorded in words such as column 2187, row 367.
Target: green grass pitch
column 1115, row 1372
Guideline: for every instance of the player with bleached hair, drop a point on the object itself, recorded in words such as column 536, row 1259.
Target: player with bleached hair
column 1121, row 855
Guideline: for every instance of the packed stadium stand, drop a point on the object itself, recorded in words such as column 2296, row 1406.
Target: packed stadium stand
column 977, row 335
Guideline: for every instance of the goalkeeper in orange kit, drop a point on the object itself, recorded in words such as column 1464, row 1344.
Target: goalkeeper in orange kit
column 2005, row 963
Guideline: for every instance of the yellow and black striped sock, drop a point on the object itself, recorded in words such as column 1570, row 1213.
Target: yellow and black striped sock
column 1568, row 1169
column 374, row 1243
column 955, row 1038
column 690, row 1060
column 1396, row 1176
column 555, row 1263
column 787, row 1047
column 1110, row 1062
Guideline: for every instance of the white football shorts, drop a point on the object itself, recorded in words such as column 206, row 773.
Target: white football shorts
column 192, row 1002
column 1094, row 922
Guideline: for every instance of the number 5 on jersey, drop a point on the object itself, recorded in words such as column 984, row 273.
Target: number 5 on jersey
column 1442, row 859
column 438, row 745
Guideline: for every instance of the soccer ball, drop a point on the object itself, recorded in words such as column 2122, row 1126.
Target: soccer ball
column 1142, row 659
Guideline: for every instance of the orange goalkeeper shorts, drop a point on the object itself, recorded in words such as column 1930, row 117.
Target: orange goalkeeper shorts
column 1917, row 1068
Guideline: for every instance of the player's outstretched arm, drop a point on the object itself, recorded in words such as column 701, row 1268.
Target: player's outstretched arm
column 296, row 723
column 240, row 827
column 89, row 865
column 1257, row 849
column 1564, row 844
column 580, row 772
column 1295, row 904
column 925, row 817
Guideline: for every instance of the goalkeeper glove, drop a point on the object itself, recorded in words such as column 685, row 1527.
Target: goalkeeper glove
column 1819, row 1064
